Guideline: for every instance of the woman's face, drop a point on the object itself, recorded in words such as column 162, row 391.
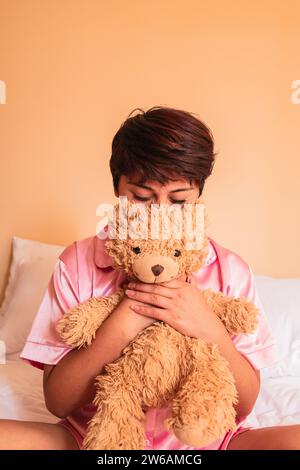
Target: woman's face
column 151, row 192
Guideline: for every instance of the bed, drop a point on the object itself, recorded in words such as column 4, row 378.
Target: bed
column 21, row 395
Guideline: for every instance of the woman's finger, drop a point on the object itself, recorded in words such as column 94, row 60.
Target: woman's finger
column 174, row 284
column 149, row 310
column 148, row 298
column 151, row 289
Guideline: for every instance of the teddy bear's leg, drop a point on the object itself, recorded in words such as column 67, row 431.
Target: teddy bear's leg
column 79, row 325
column 239, row 315
column 203, row 408
column 118, row 423
column 145, row 376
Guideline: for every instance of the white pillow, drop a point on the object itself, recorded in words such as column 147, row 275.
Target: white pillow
column 281, row 302
column 31, row 268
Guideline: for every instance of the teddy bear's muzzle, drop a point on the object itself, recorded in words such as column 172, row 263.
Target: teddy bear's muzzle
column 155, row 268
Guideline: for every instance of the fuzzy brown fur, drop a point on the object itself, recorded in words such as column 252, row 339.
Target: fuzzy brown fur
column 160, row 367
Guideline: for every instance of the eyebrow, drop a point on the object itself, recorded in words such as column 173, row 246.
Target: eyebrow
column 151, row 189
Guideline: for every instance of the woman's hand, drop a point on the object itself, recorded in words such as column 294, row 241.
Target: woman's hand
column 132, row 323
column 178, row 303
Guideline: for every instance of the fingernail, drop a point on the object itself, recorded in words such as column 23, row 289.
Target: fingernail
column 134, row 307
column 129, row 292
column 131, row 284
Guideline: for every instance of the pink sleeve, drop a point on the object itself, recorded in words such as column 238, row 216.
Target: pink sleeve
column 259, row 348
column 43, row 345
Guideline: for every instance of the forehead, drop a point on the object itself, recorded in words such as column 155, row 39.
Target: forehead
column 170, row 185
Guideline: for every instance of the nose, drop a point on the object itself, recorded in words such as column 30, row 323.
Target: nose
column 157, row 269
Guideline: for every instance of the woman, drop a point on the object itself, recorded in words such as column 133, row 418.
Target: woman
column 163, row 155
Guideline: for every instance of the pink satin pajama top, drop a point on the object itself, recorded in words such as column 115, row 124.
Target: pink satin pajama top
column 84, row 270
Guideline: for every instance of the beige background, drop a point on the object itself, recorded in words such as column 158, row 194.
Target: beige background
column 74, row 69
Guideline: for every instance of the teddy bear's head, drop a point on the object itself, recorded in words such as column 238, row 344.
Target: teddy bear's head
column 152, row 245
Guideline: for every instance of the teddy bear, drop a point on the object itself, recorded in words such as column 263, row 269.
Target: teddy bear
column 160, row 367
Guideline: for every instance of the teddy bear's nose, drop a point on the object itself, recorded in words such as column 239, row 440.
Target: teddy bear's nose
column 157, row 269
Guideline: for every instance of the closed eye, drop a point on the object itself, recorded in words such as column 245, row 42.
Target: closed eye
column 177, row 201
column 146, row 199
column 139, row 198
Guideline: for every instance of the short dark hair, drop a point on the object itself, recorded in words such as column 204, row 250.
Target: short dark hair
column 163, row 144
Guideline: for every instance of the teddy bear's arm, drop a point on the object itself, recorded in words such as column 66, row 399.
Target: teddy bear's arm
column 239, row 315
column 79, row 325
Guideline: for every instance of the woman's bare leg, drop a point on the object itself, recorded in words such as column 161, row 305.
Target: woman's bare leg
column 274, row 438
column 19, row 435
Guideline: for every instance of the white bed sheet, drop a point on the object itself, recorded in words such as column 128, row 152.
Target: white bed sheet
column 278, row 403
column 21, row 392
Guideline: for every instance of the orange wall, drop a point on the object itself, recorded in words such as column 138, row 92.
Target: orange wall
column 74, row 69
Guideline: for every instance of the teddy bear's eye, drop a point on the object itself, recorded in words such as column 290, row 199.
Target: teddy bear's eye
column 136, row 250
column 177, row 253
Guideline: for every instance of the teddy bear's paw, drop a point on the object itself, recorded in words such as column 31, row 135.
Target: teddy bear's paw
column 238, row 314
column 79, row 325
column 196, row 436
column 76, row 329
column 200, row 430
column 241, row 316
column 193, row 433
column 248, row 316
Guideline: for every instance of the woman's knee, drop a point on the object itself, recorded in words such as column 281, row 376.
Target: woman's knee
column 19, row 435
column 273, row 438
column 290, row 438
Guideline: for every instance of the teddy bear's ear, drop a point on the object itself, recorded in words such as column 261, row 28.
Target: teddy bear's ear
column 129, row 219
column 194, row 217
column 195, row 259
